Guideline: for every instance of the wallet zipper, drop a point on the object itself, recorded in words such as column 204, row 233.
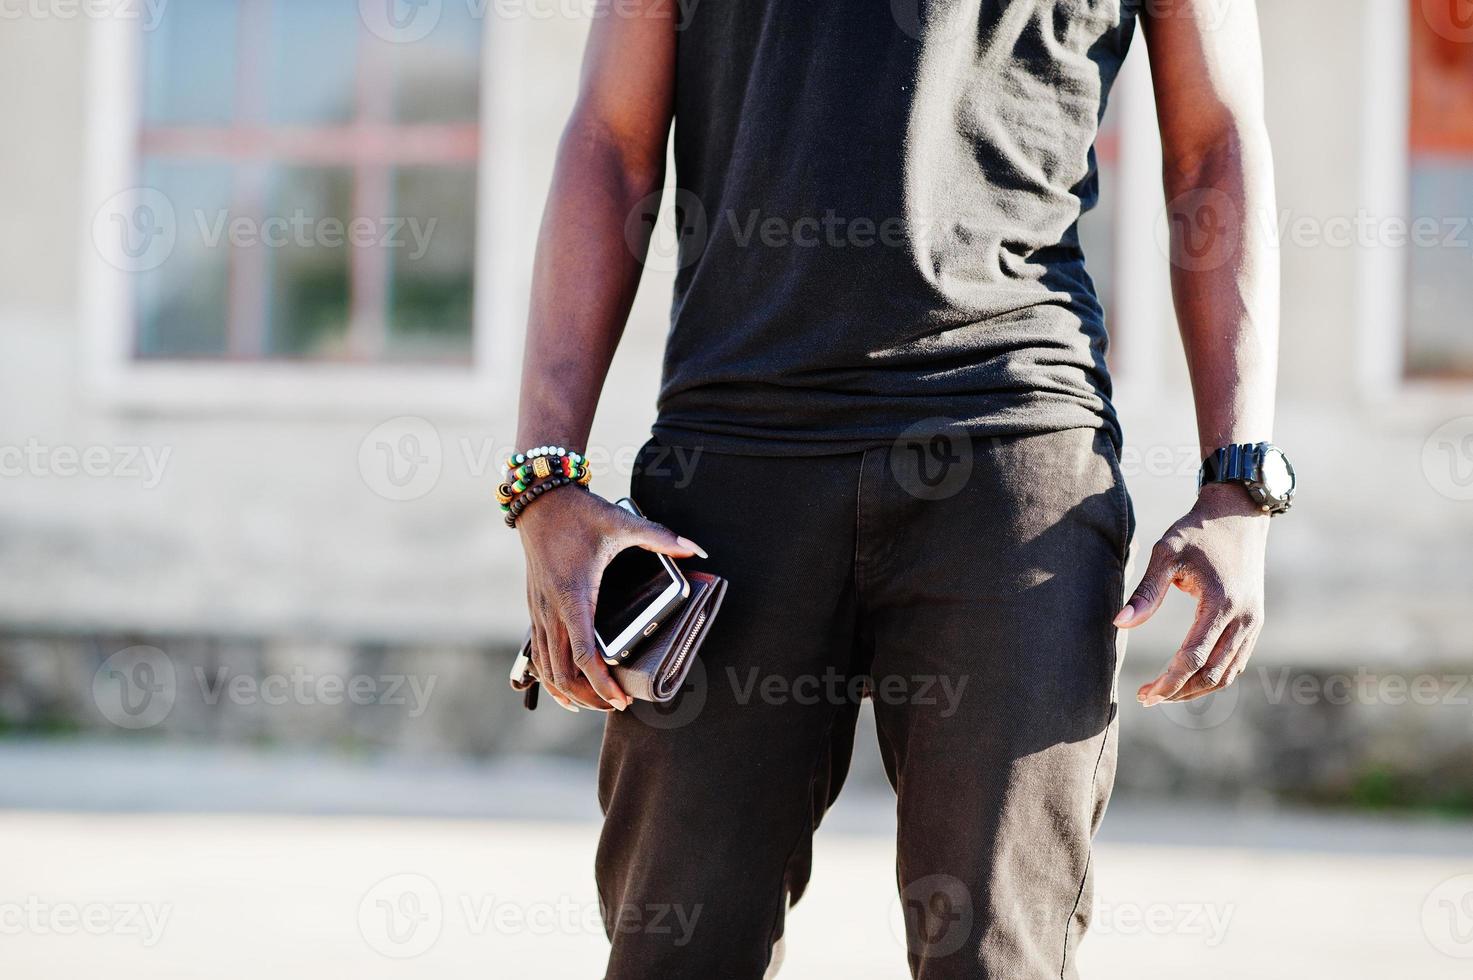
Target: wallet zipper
column 690, row 640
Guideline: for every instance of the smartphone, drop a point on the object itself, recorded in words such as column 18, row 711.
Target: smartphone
column 638, row 590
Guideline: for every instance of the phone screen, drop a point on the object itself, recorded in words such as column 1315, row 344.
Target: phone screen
column 633, row 580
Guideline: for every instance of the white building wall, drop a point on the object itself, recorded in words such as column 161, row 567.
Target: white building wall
column 264, row 522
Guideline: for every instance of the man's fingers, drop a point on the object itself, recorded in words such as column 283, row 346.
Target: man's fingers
column 542, row 662
column 1213, row 675
column 1242, row 650
column 1149, row 595
column 579, row 623
column 583, row 693
column 541, row 665
column 565, row 676
column 656, row 537
column 1193, row 656
column 557, row 696
column 1246, row 643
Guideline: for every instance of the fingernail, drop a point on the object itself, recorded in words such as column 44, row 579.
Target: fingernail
column 568, row 706
column 690, row 545
column 1152, row 700
column 1125, row 615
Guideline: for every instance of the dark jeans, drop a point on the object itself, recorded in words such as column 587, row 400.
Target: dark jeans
column 969, row 586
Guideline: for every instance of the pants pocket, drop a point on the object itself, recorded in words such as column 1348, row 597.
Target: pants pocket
column 1120, row 493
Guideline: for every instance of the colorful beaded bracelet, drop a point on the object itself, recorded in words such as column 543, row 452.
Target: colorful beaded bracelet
column 517, row 459
column 524, row 500
column 520, row 482
column 545, row 466
column 523, row 476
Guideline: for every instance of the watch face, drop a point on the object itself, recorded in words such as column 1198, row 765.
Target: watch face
column 1276, row 475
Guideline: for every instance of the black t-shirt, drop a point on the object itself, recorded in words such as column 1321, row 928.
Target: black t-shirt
column 877, row 205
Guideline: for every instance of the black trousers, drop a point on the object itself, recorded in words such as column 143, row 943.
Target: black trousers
column 967, row 586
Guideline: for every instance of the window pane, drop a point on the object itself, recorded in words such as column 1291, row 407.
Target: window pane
column 308, row 261
column 1440, row 337
column 1440, row 267
column 333, row 171
column 189, row 64
column 438, row 77
column 430, row 305
column 313, row 61
column 182, row 304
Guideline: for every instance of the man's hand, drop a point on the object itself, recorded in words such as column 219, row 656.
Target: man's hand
column 570, row 537
column 1216, row 554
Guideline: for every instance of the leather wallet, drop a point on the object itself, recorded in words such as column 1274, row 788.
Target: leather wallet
column 662, row 661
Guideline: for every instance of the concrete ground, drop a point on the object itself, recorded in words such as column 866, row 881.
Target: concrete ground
column 88, row 891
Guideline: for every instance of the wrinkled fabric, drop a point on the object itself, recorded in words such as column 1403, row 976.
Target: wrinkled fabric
column 876, row 217
column 968, row 586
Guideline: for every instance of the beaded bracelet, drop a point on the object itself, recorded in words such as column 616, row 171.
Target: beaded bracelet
column 518, row 458
column 545, row 466
column 525, row 469
column 524, row 500
column 542, row 452
column 528, row 494
column 507, row 492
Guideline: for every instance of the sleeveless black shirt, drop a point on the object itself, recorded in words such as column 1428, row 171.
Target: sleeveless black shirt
column 877, row 214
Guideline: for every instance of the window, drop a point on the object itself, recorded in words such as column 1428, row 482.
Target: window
column 1440, row 272
column 321, row 182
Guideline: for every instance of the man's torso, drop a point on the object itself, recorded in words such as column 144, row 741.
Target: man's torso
column 877, row 214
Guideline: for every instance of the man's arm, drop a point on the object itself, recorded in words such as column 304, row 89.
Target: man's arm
column 611, row 157
column 1207, row 69
column 610, row 160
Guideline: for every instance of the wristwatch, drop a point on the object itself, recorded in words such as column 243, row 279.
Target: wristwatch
column 1262, row 469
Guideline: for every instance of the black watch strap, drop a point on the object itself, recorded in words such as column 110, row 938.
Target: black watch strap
column 1237, row 463
column 1259, row 467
